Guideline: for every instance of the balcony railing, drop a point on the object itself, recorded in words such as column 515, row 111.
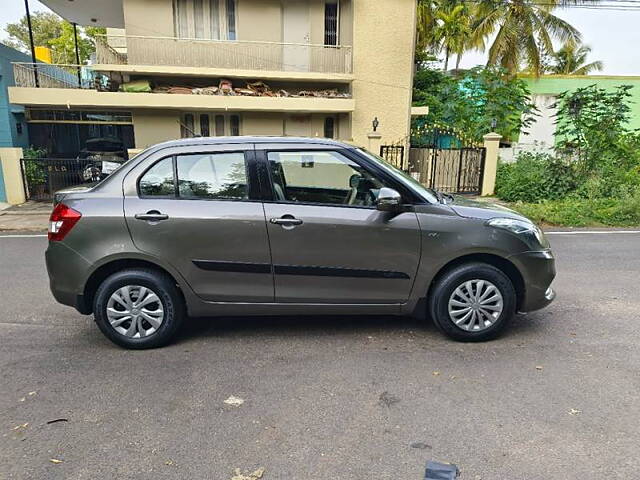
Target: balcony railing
column 56, row 76
column 245, row 55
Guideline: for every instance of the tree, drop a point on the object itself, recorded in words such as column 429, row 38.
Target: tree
column 452, row 31
column 524, row 31
column 476, row 100
column 444, row 26
column 571, row 60
column 49, row 30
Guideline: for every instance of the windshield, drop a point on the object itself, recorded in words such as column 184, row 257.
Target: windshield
column 415, row 185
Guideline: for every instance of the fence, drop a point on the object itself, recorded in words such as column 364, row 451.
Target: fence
column 57, row 76
column 44, row 176
column 237, row 54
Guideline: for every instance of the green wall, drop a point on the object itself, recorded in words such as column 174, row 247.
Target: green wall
column 554, row 84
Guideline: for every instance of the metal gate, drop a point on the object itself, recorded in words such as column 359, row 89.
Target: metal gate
column 450, row 170
column 44, row 176
column 440, row 158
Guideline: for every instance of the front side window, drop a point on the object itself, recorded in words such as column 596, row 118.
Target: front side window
column 212, row 176
column 205, row 19
column 158, row 181
column 322, row 177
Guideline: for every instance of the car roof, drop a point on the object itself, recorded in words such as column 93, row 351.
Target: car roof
column 253, row 139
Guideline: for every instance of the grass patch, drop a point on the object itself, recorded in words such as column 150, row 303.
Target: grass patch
column 583, row 212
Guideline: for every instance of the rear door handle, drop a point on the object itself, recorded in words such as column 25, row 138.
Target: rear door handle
column 151, row 216
column 286, row 220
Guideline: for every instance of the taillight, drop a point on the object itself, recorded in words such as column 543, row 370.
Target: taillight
column 61, row 222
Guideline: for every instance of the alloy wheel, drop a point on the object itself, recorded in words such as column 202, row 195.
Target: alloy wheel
column 475, row 305
column 135, row 311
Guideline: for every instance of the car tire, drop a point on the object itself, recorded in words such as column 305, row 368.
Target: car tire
column 466, row 285
column 158, row 317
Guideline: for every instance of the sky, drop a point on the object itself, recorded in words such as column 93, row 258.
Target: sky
column 614, row 36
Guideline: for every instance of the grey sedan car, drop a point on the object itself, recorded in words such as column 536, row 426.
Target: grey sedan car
column 286, row 226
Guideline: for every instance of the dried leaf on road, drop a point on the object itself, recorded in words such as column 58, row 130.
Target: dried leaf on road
column 234, row 401
column 32, row 393
column 55, row 460
column 386, row 399
column 57, row 420
column 18, row 427
column 436, row 373
column 238, row 475
column 575, row 411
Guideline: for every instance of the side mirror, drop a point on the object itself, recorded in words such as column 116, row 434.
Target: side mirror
column 388, row 200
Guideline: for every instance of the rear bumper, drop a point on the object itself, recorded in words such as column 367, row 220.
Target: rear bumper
column 67, row 271
column 538, row 271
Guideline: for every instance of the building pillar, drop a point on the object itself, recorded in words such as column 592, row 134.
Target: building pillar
column 12, row 173
column 374, row 141
column 491, row 144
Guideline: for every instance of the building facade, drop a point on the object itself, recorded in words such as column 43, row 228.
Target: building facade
column 541, row 135
column 177, row 68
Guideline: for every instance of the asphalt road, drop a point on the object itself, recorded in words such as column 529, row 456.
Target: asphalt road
column 557, row 397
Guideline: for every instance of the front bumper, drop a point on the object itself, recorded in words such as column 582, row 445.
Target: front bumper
column 538, row 271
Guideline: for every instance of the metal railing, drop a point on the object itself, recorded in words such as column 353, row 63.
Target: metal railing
column 44, row 176
column 57, row 76
column 237, row 54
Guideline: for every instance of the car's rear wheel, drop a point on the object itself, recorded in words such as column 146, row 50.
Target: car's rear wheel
column 138, row 308
column 473, row 302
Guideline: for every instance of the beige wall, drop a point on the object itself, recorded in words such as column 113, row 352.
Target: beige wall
column 259, row 20
column 149, row 17
column 151, row 127
column 383, row 46
column 13, row 183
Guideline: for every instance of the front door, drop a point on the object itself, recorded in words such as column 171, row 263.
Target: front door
column 329, row 243
column 196, row 212
column 296, row 35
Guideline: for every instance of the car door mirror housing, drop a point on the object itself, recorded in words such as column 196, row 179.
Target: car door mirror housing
column 389, row 200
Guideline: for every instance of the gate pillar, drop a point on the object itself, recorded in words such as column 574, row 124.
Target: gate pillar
column 491, row 145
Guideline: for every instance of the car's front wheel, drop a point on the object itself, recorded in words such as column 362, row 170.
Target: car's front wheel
column 473, row 302
column 138, row 308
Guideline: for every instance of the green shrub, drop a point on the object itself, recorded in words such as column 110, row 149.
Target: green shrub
column 620, row 211
column 535, row 177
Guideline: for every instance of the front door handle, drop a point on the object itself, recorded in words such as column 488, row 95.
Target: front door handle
column 286, row 221
column 151, row 216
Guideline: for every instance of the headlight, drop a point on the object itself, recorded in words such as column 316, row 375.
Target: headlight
column 528, row 231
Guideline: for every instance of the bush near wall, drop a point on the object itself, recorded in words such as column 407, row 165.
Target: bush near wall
column 595, row 177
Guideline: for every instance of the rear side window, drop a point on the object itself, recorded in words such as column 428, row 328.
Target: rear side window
column 212, row 176
column 158, row 180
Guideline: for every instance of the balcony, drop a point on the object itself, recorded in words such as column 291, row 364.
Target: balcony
column 76, row 86
column 225, row 54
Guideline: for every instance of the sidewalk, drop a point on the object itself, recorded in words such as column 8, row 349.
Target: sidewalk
column 28, row 217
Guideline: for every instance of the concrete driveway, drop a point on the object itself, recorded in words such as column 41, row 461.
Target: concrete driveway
column 558, row 397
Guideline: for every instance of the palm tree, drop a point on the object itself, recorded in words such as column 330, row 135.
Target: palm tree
column 571, row 60
column 524, row 30
column 452, row 31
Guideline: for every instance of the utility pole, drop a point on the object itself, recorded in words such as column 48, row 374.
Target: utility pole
column 75, row 38
column 33, row 48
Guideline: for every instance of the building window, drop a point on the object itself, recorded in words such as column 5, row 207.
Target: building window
column 234, row 125
column 231, row 19
column 206, row 19
column 329, row 127
column 331, row 23
column 219, row 125
column 196, row 125
column 204, row 125
column 187, row 126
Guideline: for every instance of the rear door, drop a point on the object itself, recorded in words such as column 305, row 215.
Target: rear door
column 329, row 243
column 196, row 208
